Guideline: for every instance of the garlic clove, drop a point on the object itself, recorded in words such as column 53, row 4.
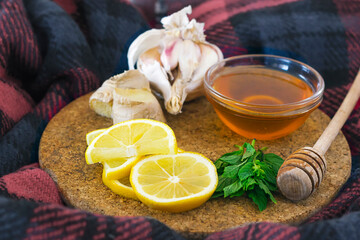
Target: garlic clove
column 169, row 58
column 149, row 64
column 209, row 56
column 177, row 96
column 142, row 43
column 135, row 104
column 189, row 59
column 216, row 49
column 101, row 100
column 185, row 87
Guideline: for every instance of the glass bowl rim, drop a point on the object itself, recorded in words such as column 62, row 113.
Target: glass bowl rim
column 314, row 98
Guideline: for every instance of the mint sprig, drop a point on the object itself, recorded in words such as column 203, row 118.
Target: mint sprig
column 248, row 171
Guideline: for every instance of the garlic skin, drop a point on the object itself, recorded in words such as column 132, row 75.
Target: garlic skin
column 175, row 58
column 126, row 96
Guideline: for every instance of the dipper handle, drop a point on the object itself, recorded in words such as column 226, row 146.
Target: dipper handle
column 337, row 122
column 302, row 172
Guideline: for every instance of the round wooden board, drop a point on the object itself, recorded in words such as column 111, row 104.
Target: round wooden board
column 198, row 129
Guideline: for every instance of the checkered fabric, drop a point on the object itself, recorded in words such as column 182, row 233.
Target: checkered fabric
column 52, row 52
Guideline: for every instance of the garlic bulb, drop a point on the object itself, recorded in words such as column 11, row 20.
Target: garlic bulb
column 175, row 58
column 126, row 96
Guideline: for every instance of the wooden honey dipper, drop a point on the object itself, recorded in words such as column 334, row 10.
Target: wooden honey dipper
column 302, row 172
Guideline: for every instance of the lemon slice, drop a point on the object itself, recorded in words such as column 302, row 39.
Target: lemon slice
column 115, row 169
column 91, row 135
column 180, row 150
column 120, row 186
column 119, row 168
column 174, row 183
column 132, row 138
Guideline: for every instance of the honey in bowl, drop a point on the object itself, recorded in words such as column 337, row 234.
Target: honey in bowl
column 262, row 102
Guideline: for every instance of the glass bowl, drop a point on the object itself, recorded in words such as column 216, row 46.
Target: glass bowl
column 263, row 96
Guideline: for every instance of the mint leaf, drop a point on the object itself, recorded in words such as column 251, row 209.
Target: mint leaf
column 250, row 150
column 269, row 174
column 259, row 197
column 241, row 148
column 217, row 194
column 273, row 160
column 249, row 183
column 233, row 188
column 265, row 189
column 227, row 159
column 223, row 182
column 263, row 149
column 271, row 186
column 218, row 164
column 231, row 171
column 239, row 152
column 246, row 171
column 231, row 159
column 238, row 193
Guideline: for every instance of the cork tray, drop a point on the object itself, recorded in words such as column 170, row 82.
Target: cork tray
column 63, row 145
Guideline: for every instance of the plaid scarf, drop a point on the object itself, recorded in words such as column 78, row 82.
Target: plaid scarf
column 52, row 52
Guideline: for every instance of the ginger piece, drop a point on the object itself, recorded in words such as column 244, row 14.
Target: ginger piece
column 126, row 96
